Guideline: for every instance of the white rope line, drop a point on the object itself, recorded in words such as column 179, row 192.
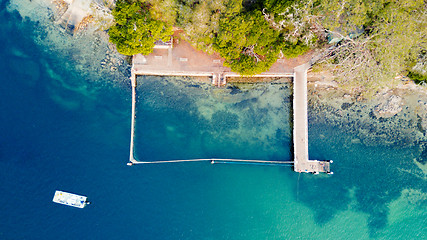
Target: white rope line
column 213, row 161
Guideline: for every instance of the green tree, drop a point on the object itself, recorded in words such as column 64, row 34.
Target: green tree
column 247, row 43
column 291, row 50
column 296, row 23
column 200, row 20
column 278, row 7
column 135, row 30
column 345, row 15
column 164, row 10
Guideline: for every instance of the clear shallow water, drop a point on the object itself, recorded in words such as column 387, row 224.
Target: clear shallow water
column 70, row 131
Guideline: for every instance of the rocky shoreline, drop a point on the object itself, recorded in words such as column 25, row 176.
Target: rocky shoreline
column 395, row 117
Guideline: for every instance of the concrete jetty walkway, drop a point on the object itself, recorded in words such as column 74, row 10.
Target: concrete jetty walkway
column 300, row 131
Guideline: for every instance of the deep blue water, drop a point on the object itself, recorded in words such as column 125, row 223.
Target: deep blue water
column 63, row 131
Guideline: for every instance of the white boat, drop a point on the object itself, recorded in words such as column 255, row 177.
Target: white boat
column 70, row 199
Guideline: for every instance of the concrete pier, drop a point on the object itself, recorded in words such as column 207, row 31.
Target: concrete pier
column 300, row 131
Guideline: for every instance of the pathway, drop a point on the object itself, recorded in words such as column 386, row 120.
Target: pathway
column 300, row 131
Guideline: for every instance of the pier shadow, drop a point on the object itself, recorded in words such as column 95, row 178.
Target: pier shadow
column 366, row 179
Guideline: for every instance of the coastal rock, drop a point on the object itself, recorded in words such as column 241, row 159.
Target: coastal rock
column 389, row 108
column 359, row 98
column 326, row 84
column 423, row 124
column 422, row 116
column 421, row 66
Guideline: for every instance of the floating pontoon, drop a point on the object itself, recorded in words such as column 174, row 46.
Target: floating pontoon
column 70, row 199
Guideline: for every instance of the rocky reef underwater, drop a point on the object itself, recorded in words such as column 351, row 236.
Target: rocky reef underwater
column 393, row 117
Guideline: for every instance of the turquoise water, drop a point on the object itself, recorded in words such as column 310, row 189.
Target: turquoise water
column 65, row 126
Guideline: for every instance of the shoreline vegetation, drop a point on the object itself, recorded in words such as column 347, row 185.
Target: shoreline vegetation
column 367, row 45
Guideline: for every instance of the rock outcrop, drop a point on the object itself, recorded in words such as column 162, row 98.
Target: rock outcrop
column 389, row 108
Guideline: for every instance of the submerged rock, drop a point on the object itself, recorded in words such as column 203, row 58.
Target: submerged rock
column 346, row 105
column 389, row 108
column 422, row 117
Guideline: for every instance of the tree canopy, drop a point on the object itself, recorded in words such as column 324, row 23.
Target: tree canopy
column 247, row 42
column 251, row 35
column 135, row 30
